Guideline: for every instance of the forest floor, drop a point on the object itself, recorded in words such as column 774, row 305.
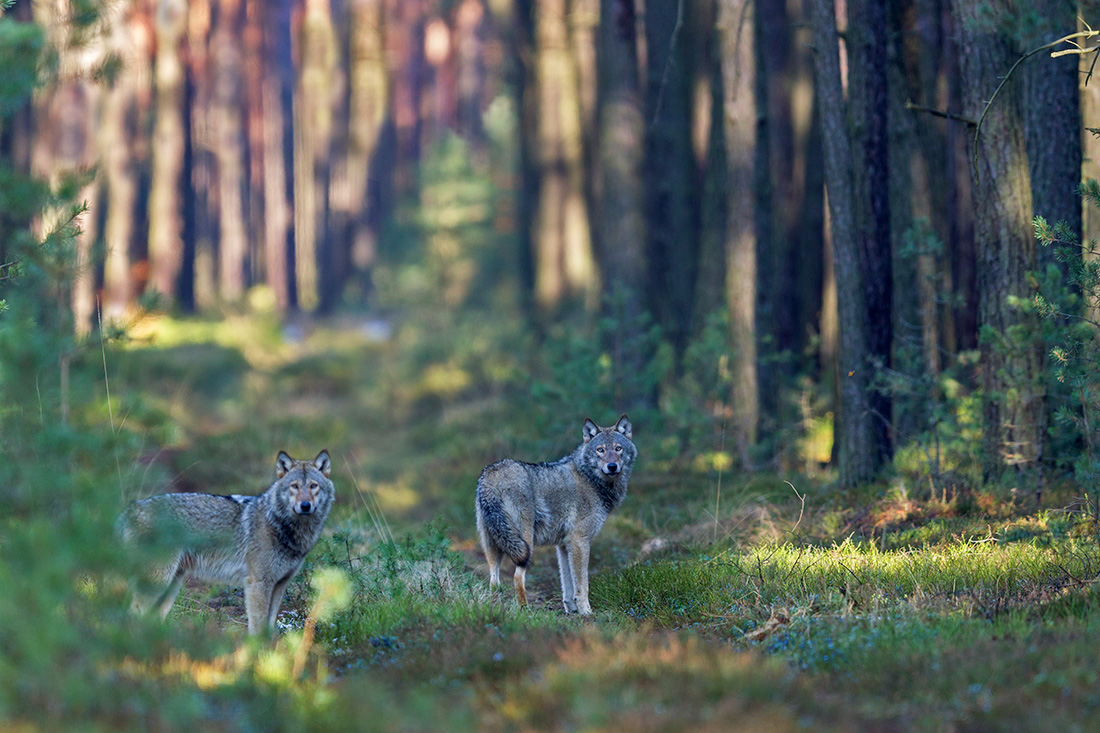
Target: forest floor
column 722, row 602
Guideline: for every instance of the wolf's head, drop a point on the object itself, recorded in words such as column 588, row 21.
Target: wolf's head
column 304, row 485
column 609, row 450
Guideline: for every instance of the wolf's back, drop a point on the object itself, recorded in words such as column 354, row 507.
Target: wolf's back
column 493, row 521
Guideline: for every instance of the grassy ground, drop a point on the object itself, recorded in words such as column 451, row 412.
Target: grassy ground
column 723, row 602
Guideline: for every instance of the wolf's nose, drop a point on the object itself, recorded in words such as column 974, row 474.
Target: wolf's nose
column 306, row 507
column 612, row 468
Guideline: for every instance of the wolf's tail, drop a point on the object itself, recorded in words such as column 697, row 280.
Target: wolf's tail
column 500, row 531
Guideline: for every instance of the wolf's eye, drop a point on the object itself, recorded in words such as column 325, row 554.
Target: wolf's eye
column 312, row 485
column 600, row 450
column 296, row 485
column 618, row 449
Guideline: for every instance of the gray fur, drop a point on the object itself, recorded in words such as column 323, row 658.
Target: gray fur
column 565, row 503
column 258, row 542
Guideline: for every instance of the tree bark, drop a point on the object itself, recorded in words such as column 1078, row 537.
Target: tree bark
column 313, row 110
column 165, row 225
column 1052, row 108
column 227, row 133
column 853, row 429
column 564, row 265
column 117, row 138
column 278, row 105
column 621, row 216
column 672, row 244
column 1005, row 243
column 735, row 22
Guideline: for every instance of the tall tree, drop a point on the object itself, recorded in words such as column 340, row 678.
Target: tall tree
column 868, row 105
column 853, row 429
column 278, row 109
column 1052, row 108
column 564, row 264
column 735, row 19
column 170, row 22
column 119, row 137
column 672, row 235
column 313, row 110
column 1012, row 400
column 227, row 133
column 622, row 197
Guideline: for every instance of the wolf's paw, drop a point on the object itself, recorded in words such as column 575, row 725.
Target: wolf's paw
column 570, row 606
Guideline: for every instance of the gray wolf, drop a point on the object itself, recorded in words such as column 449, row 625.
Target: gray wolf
column 258, row 542
column 564, row 503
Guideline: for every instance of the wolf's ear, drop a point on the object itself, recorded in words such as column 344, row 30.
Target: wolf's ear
column 590, row 429
column 283, row 464
column 623, row 426
column 323, row 464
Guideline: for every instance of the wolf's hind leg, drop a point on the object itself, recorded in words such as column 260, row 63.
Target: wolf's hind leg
column 177, row 574
column 566, row 573
column 521, row 587
column 493, row 556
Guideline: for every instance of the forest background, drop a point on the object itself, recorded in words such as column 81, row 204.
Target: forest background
column 798, row 241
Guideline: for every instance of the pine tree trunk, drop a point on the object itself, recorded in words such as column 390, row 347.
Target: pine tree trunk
column 853, row 429
column 368, row 110
column 116, row 140
column 1052, row 108
column 563, row 261
column 868, row 105
column 669, row 170
column 735, row 21
column 227, row 131
column 313, row 111
column 621, row 216
column 278, row 105
column 165, row 224
column 1005, row 243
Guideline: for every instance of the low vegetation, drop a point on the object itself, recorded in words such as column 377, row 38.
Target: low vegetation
column 724, row 601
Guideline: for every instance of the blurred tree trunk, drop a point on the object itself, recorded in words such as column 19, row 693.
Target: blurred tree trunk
column 773, row 174
column 672, row 236
column 165, row 224
column 253, row 73
column 1052, row 106
column 854, row 433
column 564, row 264
column 368, row 109
column 204, row 163
column 621, row 216
column 1006, row 246
column 405, row 52
column 584, row 23
column 278, row 108
column 739, row 113
column 868, row 105
column 119, row 133
column 470, row 63
column 227, row 136
column 313, row 110
column 67, row 113
column 521, row 25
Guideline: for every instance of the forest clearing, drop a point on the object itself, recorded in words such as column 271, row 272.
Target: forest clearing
column 836, row 259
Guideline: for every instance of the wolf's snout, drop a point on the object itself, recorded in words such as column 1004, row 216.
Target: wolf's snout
column 305, row 507
column 613, row 468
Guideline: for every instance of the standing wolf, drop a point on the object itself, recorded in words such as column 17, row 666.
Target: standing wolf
column 565, row 503
column 258, row 542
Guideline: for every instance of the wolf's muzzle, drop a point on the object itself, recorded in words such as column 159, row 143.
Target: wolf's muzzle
column 304, row 507
column 612, row 469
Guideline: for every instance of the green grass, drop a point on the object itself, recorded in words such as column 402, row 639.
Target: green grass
column 761, row 607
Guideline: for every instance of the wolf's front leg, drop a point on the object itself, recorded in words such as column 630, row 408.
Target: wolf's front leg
column 565, row 570
column 578, row 561
column 277, row 600
column 258, row 591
